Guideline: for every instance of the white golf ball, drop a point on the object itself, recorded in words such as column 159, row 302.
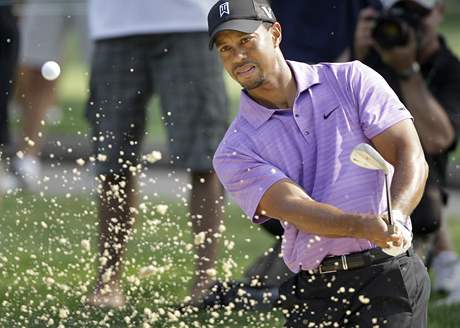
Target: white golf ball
column 51, row 70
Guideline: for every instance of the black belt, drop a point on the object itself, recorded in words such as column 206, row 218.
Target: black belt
column 356, row 260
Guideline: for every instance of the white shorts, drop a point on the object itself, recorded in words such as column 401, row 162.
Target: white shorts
column 45, row 27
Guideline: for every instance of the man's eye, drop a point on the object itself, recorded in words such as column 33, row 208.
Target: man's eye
column 224, row 49
column 246, row 39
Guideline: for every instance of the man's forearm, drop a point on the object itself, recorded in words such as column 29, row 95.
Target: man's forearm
column 320, row 219
column 431, row 121
column 288, row 202
column 400, row 146
column 408, row 181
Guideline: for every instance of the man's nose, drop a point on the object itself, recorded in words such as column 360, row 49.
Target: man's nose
column 239, row 53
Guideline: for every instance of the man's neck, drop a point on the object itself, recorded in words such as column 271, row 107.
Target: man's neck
column 279, row 91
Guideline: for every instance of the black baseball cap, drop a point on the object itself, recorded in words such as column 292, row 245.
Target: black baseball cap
column 239, row 15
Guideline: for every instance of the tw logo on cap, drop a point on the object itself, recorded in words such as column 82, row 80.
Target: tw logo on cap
column 224, row 9
column 268, row 11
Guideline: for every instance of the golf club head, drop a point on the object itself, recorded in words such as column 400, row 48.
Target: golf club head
column 367, row 157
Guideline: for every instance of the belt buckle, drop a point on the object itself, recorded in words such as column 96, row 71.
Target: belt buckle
column 344, row 266
column 325, row 271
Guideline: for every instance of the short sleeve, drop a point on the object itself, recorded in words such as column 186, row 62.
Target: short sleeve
column 246, row 177
column 378, row 105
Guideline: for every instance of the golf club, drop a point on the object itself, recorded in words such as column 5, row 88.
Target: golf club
column 367, row 157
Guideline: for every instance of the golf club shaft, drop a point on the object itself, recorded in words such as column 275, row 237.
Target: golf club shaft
column 390, row 219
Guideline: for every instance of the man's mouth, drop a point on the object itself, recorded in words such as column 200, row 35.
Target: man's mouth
column 245, row 70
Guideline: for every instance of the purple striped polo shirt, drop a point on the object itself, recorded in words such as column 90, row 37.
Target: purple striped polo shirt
column 337, row 106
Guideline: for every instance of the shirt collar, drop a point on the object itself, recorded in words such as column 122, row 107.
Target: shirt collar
column 305, row 76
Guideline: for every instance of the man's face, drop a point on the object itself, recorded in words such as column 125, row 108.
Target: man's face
column 430, row 24
column 248, row 58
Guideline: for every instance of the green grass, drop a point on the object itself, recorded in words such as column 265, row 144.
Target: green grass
column 41, row 239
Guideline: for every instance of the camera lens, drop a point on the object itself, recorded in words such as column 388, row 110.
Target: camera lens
column 391, row 32
column 393, row 26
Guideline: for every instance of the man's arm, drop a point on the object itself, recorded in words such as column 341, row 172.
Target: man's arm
column 400, row 146
column 431, row 120
column 288, row 202
column 363, row 40
column 436, row 131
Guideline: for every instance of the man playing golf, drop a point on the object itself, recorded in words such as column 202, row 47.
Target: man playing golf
column 287, row 156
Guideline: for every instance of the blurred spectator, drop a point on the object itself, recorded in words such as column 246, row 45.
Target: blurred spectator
column 426, row 75
column 9, row 38
column 44, row 27
column 144, row 48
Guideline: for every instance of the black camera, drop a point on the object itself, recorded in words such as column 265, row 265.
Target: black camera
column 393, row 26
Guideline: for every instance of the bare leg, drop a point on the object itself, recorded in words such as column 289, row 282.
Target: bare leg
column 36, row 95
column 207, row 214
column 115, row 226
column 443, row 241
column 445, row 265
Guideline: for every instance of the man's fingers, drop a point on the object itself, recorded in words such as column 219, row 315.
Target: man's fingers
column 397, row 242
column 368, row 13
column 396, row 237
column 393, row 241
column 364, row 30
column 383, row 244
column 367, row 25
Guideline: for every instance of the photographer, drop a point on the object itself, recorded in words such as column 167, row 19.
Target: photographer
column 403, row 44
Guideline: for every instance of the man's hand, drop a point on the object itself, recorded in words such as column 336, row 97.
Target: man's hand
column 400, row 58
column 399, row 225
column 363, row 40
column 395, row 250
column 375, row 229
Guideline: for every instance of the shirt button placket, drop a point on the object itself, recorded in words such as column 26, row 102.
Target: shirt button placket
column 306, row 133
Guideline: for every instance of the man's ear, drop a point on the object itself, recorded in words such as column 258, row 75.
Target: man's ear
column 276, row 34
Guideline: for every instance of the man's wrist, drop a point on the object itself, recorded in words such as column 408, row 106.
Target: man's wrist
column 407, row 73
column 355, row 225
